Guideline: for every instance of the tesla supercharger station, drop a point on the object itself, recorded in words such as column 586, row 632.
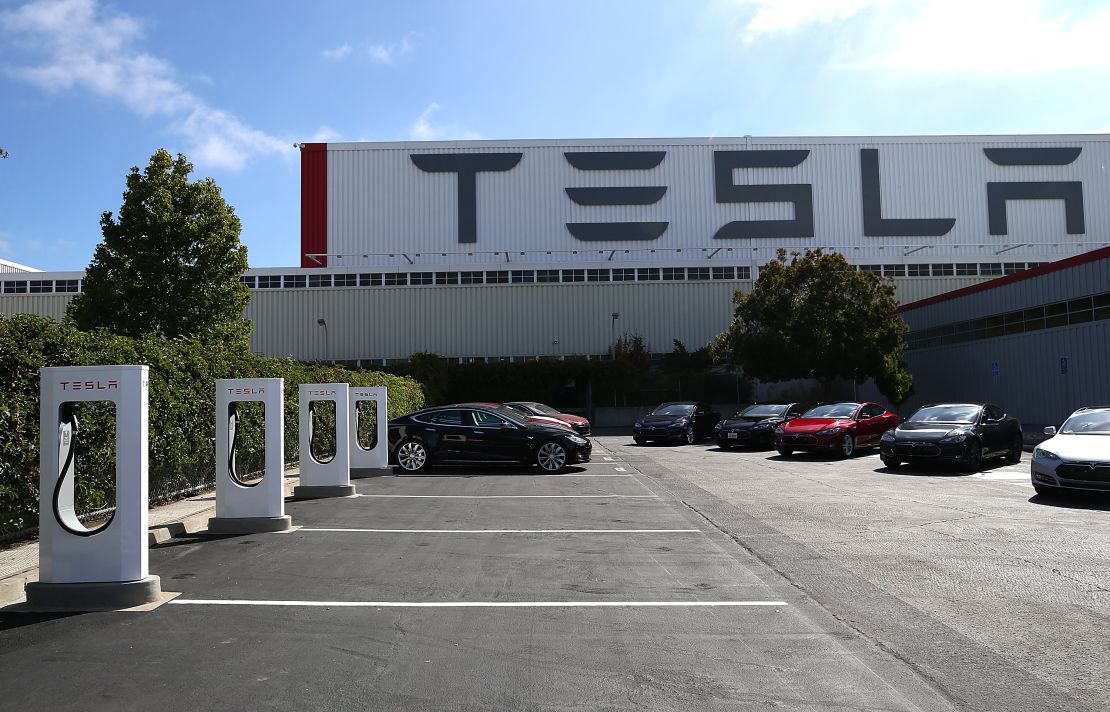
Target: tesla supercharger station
column 103, row 567
column 324, row 477
column 247, row 506
column 373, row 461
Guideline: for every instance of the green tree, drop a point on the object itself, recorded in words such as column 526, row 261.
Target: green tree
column 815, row 317
column 170, row 264
column 3, row 153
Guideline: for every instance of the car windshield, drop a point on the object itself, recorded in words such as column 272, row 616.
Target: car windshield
column 541, row 408
column 946, row 414
column 1096, row 423
column 832, row 410
column 761, row 411
column 673, row 409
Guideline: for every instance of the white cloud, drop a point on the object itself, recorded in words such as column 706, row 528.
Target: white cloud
column 337, row 53
column 783, row 16
column 994, row 36
column 325, row 134
column 88, row 48
column 388, row 53
column 942, row 36
column 425, row 129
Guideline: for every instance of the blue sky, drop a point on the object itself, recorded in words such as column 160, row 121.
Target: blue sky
column 92, row 88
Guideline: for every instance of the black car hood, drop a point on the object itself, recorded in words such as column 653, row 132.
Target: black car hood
column 926, row 432
column 663, row 419
column 747, row 423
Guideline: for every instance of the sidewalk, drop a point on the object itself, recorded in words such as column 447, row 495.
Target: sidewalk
column 19, row 564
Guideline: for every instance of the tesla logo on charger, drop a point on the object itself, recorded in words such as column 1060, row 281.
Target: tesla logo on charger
column 321, row 393
column 246, row 391
column 97, row 385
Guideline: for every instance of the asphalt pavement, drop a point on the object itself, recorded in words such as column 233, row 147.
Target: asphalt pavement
column 622, row 584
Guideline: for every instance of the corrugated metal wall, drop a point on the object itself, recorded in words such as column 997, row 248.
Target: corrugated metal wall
column 1028, row 382
column 51, row 305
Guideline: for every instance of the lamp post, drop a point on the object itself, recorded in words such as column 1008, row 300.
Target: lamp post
column 323, row 322
column 612, row 335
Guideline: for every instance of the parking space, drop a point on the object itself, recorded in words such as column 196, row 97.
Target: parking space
column 1000, row 596
column 460, row 590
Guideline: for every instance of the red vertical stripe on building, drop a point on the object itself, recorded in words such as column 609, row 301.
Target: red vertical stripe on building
column 314, row 203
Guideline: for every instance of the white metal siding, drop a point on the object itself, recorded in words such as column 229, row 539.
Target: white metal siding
column 380, row 202
column 51, row 305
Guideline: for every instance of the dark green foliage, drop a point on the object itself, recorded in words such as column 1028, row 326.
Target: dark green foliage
column 182, row 402
column 170, row 264
column 815, row 317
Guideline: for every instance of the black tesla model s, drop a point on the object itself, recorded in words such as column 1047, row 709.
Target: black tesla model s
column 461, row 434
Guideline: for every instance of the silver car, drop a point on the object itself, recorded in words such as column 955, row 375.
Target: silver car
column 1077, row 457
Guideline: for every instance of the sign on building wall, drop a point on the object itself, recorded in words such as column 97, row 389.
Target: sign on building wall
column 538, row 196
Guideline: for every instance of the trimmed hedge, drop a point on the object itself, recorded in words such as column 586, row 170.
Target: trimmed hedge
column 182, row 404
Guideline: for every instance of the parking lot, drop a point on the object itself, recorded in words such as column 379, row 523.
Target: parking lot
column 654, row 577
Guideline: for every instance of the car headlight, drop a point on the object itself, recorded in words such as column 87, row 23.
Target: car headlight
column 888, row 436
column 681, row 422
column 955, row 436
column 828, row 431
column 764, row 425
column 779, row 430
column 1041, row 454
column 638, row 424
column 577, row 440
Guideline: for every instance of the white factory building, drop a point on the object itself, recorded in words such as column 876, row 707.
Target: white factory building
column 523, row 249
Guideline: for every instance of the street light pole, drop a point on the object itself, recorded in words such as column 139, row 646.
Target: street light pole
column 612, row 335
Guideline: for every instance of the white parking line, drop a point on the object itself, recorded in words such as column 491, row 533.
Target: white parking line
column 505, row 531
column 474, row 604
column 607, row 459
column 620, row 469
column 510, row 496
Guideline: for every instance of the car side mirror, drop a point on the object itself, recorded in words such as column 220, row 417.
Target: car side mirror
column 507, row 426
column 1050, row 430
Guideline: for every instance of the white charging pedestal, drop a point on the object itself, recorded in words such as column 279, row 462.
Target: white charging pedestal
column 374, row 461
column 330, row 478
column 249, row 507
column 105, row 567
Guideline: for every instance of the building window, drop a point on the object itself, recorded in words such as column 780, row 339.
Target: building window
column 319, row 280
column 597, row 275
column 498, row 277
column 295, row 281
column 41, row 286
column 249, row 281
column 991, row 269
column 724, row 273
column 574, row 275
column 547, row 275
column 624, row 275
column 471, row 278
column 944, row 270
column 396, row 279
column 647, row 274
column 917, row 270
column 373, row 279
column 269, row 282
column 966, row 269
column 674, row 273
column 421, row 278
column 873, row 269
column 68, row 285
column 15, row 287
column 346, row 280
column 743, row 272
column 447, row 277
column 894, row 270
column 522, row 276
column 1013, row 267
column 697, row 273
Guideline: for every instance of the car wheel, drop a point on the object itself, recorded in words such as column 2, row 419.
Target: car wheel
column 688, row 436
column 1046, row 491
column 785, row 451
column 973, row 457
column 551, row 456
column 890, row 461
column 639, row 440
column 412, row 456
column 1016, row 448
column 847, row 445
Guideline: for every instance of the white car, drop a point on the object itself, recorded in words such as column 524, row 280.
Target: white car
column 1077, row 457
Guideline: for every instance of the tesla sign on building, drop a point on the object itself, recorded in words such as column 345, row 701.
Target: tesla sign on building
column 563, row 196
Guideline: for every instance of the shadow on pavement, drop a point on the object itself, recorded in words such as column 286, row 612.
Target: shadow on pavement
column 1090, row 501
column 489, row 471
column 934, row 469
column 11, row 617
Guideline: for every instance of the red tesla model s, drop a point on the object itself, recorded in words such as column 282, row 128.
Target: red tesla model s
column 836, row 428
